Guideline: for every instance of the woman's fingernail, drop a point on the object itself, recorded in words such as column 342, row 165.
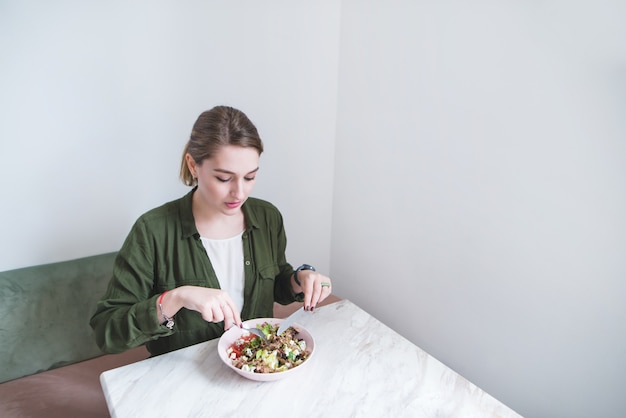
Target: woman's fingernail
column 306, row 308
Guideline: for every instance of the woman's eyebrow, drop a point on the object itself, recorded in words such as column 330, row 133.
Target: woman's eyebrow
column 221, row 170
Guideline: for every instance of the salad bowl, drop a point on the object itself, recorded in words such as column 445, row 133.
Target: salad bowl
column 233, row 334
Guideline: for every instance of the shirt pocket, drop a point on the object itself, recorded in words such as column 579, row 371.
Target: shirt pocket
column 264, row 289
column 269, row 271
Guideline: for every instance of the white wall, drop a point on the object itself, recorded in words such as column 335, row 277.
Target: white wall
column 98, row 100
column 480, row 160
column 479, row 191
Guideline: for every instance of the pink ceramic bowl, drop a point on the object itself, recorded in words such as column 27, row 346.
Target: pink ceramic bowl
column 230, row 336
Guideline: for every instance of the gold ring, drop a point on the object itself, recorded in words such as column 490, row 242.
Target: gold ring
column 325, row 284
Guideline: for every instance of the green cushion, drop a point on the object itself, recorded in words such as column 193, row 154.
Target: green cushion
column 45, row 312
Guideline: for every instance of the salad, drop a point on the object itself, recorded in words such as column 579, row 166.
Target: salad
column 278, row 354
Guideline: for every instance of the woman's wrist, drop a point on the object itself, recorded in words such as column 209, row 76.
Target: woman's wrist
column 297, row 289
column 299, row 269
column 168, row 321
column 168, row 305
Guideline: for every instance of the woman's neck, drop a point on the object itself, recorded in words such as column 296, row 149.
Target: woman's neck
column 216, row 225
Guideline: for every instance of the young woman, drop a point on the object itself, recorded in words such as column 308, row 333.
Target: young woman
column 196, row 266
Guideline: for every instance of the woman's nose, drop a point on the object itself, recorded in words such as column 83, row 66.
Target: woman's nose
column 236, row 189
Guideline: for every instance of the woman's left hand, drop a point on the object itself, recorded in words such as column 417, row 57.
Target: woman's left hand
column 316, row 288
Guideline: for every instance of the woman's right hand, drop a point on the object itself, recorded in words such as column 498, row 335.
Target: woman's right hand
column 215, row 305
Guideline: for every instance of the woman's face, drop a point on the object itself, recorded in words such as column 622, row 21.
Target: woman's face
column 226, row 180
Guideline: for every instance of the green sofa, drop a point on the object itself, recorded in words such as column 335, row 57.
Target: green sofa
column 49, row 362
column 46, row 311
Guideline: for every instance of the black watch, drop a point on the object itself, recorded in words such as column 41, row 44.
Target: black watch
column 302, row 267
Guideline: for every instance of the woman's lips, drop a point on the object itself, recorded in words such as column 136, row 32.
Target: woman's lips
column 233, row 205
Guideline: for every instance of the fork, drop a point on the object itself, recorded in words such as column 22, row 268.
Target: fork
column 254, row 331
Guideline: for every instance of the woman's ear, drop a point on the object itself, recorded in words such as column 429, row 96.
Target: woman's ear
column 191, row 164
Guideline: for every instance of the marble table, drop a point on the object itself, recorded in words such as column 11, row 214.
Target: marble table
column 361, row 368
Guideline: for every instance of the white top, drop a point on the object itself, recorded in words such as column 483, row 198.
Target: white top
column 226, row 257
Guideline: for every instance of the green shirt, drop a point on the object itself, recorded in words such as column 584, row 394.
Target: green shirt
column 163, row 251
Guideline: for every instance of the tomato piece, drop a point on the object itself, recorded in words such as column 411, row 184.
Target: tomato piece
column 239, row 345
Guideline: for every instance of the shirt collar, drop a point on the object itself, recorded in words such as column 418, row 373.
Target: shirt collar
column 250, row 216
column 186, row 216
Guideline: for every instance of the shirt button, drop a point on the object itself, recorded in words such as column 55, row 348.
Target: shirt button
column 247, row 262
column 245, row 235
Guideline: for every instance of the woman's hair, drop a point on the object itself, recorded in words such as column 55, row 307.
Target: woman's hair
column 215, row 128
